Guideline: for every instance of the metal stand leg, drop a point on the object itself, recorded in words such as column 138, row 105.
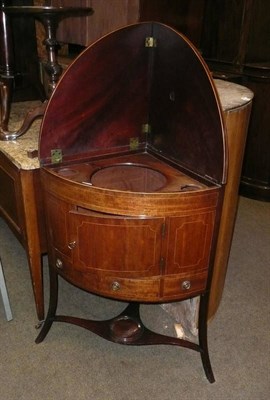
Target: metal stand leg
column 4, row 294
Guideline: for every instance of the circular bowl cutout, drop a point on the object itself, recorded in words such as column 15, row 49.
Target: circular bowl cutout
column 67, row 172
column 129, row 177
column 190, row 187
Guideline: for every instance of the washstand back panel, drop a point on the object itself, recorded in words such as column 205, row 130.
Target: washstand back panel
column 141, row 88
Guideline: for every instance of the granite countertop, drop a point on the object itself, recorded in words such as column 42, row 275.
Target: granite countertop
column 231, row 96
column 17, row 150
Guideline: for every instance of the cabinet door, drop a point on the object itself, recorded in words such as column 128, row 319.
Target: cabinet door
column 11, row 208
column 57, row 224
column 124, row 246
column 189, row 243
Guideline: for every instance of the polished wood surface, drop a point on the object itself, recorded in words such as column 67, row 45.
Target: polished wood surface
column 164, row 252
column 237, row 122
column 142, row 239
column 145, row 88
column 21, row 207
column 236, row 114
column 125, row 238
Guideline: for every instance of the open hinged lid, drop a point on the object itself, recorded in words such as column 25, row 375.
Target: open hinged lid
column 141, row 87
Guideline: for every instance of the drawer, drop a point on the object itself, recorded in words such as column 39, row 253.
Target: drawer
column 147, row 289
column 182, row 286
column 107, row 284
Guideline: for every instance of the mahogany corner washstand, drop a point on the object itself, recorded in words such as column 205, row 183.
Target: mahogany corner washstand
column 133, row 166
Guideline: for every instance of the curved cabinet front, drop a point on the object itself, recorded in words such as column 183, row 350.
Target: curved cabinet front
column 134, row 258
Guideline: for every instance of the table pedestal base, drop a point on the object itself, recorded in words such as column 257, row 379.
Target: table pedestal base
column 50, row 18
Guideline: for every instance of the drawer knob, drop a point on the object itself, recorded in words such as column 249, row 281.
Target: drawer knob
column 71, row 245
column 59, row 263
column 116, row 286
column 186, row 285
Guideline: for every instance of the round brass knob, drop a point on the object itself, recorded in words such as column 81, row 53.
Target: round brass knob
column 186, row 285
column 116, row 286
column 59, row 263
column 71, row 245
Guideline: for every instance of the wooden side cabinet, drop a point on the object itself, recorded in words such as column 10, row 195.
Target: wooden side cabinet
column 10, row 204
column 21, row 207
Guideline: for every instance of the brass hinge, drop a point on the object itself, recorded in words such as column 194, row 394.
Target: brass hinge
column 56, row 155
column 146, row 128
column 134, row 143
column 150, row 41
